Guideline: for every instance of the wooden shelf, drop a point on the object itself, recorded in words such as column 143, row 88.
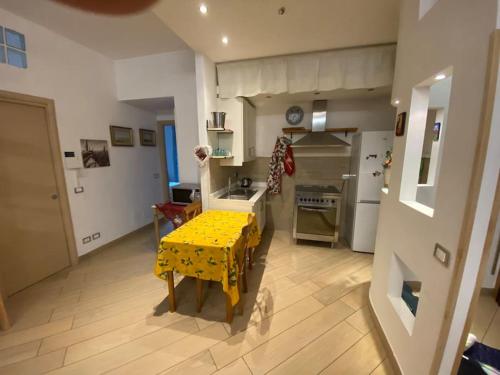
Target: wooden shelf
column 222, row 157
column 220, row 131
column 302, row 130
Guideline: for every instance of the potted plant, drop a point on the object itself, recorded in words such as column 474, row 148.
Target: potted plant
column 387, row 167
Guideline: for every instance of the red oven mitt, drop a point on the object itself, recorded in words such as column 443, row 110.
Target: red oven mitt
column 288, row 162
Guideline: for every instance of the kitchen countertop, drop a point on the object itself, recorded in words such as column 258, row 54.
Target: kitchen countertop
column 261, row 188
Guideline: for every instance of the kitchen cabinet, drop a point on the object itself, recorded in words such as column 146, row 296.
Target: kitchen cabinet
column 241, row 119
column 259, row 208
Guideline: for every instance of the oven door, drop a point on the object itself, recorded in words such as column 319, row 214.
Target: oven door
column 315, row 221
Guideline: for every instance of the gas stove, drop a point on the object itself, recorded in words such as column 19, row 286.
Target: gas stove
column 316, row 195
column 317, row 213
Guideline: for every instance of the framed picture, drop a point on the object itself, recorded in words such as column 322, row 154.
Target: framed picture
column 94, row 153
column 400, row 124
column 121, row 136
column 148, row 137
column 435, row 131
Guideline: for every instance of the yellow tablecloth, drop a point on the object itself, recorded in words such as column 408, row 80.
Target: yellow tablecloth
column 206, row 248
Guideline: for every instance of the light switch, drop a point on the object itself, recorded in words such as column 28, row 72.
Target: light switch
column 441, row 254
column 78, row 189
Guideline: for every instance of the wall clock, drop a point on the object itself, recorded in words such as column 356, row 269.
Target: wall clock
column 294, row 115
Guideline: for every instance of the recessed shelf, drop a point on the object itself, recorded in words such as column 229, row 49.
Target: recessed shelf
column 404, row 292
column 220, row 131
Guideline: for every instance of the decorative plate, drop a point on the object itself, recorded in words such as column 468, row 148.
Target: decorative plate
column 294, row 115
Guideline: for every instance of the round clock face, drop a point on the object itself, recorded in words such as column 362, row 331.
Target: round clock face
column 294, row 115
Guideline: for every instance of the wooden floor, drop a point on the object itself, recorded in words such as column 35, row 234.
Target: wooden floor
column 306, row 313
column 486, row 323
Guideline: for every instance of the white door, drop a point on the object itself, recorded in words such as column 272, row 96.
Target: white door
column 365, row 227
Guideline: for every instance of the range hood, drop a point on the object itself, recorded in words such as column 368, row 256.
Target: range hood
column 318, row 137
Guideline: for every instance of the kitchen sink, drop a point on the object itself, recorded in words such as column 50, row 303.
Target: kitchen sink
column 239, row 194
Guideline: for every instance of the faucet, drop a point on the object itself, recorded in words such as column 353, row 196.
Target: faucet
column 229, row 184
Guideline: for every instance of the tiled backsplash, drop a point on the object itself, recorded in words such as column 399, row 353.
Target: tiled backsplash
column 219, row 175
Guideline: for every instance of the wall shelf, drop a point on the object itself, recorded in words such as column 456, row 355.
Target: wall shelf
column 221, row 157
column 220, row 131
column 302, row 130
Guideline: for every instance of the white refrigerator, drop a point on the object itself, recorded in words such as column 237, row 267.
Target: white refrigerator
column 365, row 182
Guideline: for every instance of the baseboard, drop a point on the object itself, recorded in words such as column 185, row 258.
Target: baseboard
column 390, row 354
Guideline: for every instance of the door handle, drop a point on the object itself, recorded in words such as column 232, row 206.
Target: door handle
column 313, row 209
column 54, row 196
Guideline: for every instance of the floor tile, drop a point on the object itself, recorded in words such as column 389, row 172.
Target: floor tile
column 321, row 352
column 278, row 349
column 362, row 358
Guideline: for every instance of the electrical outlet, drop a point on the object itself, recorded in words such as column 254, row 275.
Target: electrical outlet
column 442, row 255
column 95, row 236
column 79, row 189
column 86, row 239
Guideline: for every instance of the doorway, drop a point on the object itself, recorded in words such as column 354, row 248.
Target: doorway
column 36, row 237
column 169, row 156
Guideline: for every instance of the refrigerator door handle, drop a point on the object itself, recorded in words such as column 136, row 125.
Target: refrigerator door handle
column 369, row 202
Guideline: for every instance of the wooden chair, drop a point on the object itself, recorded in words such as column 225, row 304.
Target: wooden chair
column 192, row 210
column 188, row 213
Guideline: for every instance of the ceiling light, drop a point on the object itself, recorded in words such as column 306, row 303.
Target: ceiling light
column 439, row 77
column 396, row 101
column 225, row 40
column 203, row 9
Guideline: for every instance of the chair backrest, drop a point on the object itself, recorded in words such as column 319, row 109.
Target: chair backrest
column 192, row 210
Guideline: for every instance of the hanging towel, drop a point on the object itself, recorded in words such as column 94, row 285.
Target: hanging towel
column 276, row 165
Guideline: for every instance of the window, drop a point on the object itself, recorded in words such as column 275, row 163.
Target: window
column 171, row 154
column 12, row 48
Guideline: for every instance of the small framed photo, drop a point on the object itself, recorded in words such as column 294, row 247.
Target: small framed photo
column 148, row 137
column 94, row 153
column 400, row 124
column 435, row 131
column 121, row 136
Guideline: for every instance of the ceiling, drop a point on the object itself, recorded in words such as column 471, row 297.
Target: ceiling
column 116, row 37
column 160, row 106
column 255, row 29
column 263, row 100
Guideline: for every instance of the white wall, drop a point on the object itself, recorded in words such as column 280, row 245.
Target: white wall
column 365, row 114
column 453, row 33
column 117, row 199
column 167, row 74
column 206, row 94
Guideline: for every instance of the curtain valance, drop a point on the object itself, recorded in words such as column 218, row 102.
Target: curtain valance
column 320, row 71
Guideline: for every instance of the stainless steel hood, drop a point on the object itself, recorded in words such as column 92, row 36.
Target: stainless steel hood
column 318, row 137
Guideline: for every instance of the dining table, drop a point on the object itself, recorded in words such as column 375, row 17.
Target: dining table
column 207, row 248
